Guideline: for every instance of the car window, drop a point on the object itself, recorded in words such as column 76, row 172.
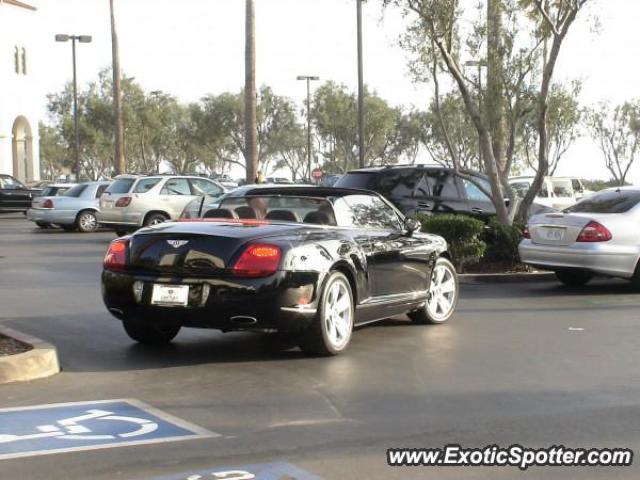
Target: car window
column 520, row 188
column 577, row 186
column 362, row 180
column 562, row 188
column 441, row 184
column 612, row 201
column 146, row 184
column 474, row 192
column 121, row 185
column 365, row 211
column 397, row 183
column 200, row 186
column 100, row 190
column 76, row 191
column 176, row 186
column 12, row 183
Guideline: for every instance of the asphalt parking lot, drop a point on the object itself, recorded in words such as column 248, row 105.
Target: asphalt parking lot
column 533, row 363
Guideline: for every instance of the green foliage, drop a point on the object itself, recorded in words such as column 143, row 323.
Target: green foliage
column 597, row 185
column 502, row 243
column 463, row 235
column 617, row 132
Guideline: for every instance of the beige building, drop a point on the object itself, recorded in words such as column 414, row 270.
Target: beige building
column 19, row 95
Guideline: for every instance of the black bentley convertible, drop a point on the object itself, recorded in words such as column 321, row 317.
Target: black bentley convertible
column 308, row 261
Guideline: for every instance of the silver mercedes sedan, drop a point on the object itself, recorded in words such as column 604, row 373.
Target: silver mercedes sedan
column 599, row 235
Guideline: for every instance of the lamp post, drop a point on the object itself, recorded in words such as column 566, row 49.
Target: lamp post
column 479, row 64
column 74, row 39
column 308, row 79
column 360, row 89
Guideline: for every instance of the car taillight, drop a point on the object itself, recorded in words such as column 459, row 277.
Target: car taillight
column 123, row 202
column 258, row 260
column 526, row 234
column 48, row 203
column 594, row 232
column 116, row 257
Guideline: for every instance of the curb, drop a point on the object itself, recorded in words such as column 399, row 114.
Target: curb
column 40, row 362
column 473, row 278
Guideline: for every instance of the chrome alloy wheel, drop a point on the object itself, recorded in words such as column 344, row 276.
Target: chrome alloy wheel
column 87, row 222
column 338, row 314
column 443, row 292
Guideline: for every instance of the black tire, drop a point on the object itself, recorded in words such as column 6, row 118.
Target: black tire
column 428, row 313
column 121, row 233
column 87, row 222
column 316, row 340
column 43, row 225
column 154, row 219
column 149, row 333
column 68, row 228
column 574, row 278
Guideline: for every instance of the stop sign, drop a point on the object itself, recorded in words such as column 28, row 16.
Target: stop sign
column 316, row 174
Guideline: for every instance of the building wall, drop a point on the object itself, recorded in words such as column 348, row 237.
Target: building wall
column 20, row 98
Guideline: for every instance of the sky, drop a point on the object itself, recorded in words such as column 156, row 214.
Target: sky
column 190, row 48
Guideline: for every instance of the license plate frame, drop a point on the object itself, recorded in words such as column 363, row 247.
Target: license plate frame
column 554, row 234
column 164, row 295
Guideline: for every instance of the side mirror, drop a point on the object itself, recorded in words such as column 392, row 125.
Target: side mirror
column 411, row 225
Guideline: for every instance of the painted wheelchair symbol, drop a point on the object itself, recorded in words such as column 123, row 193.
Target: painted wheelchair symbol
column 71, row 428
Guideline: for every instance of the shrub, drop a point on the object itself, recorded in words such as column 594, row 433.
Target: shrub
column 502, row 243
column 463, row 235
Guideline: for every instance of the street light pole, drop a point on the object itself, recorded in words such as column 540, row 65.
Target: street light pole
column 74, row 39
column 308, row 79
column 361, row 160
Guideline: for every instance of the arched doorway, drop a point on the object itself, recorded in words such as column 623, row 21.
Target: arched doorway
column 22, row 147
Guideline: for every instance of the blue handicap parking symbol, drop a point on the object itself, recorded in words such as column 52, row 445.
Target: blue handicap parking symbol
column 64, row 427
column 264, row 471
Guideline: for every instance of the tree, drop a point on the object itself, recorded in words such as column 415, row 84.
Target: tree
column 54, row 152
column 617, row 132
column 250, row 114
column 512, row 37
column 335, row 117
column 563, row 119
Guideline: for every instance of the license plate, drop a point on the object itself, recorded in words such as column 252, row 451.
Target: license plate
column 177, row 295
column 555, row 234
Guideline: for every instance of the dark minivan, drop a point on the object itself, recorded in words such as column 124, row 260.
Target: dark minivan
column 425, row 189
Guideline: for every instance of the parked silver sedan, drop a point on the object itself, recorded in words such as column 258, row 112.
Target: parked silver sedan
column 73, row 210
column 597, row 235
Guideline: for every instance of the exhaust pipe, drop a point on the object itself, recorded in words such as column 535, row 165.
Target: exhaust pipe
column 244, row 320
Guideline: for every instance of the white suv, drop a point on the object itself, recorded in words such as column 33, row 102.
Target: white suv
column 133, row 201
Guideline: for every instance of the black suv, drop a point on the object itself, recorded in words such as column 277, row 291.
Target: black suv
column 14, row 196
column 426, row 189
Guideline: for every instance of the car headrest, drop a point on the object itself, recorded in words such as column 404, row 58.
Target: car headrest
column 282, row 215
column 318, row 218
column 246, row 212
column 220, row 213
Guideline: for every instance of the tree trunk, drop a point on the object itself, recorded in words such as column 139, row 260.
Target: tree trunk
column 118, row 127
column 495, row 101
column 250, row 116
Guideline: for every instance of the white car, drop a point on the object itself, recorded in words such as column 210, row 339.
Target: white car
column 556, row 192
column 133, row 201
column 598, row 235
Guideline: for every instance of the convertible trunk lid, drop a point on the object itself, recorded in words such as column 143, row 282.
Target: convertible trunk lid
column 197, row 248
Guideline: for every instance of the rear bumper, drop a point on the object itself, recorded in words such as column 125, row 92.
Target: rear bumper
column 602, row 258
column 285, row 302
column 114, row 218
column 49, row 215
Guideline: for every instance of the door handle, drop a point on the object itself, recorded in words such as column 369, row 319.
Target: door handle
column 424, row 205
column 477, row 210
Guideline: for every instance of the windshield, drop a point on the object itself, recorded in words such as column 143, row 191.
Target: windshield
column 610, row 201
column 279, row 208
column 357, row 180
